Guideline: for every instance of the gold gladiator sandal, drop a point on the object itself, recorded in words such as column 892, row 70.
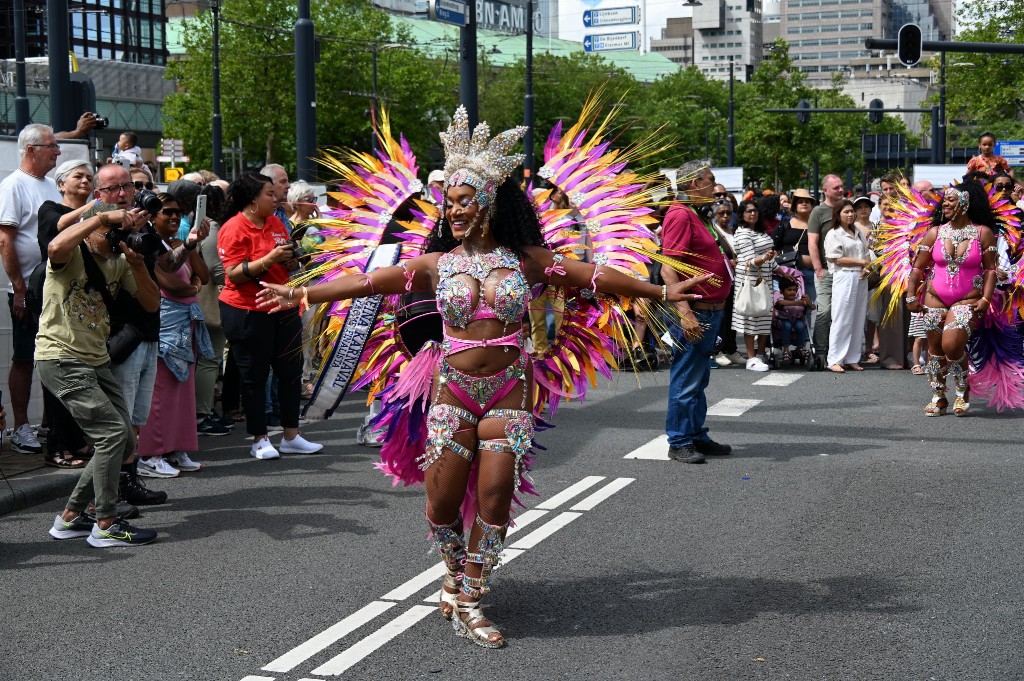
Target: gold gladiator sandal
column 937, row 378
column 962, row 403
column 469, row 621
column 451, row 545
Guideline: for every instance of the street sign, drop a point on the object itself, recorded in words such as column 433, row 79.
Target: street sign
column 172, row 159
column 1012, row 151
column 613, row 16
column 610, row 42
column 448, row 12
column 172, row 174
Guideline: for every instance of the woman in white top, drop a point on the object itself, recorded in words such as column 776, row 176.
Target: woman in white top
column 846, row 251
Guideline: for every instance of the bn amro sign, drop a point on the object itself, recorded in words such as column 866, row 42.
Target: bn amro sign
column 507, row 17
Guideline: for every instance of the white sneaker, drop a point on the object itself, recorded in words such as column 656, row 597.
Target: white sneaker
column 262, row 449
column 755, row 364
column 722, row 360
column 736, row 358
column 157, row 467
column 183, row 463
column 299, row 445
column 23, row 440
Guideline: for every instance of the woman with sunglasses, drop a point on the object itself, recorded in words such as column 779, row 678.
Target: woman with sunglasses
column 755, row 257
column 170, row 432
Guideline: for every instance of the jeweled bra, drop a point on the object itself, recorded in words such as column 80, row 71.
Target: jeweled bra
column 455, row 296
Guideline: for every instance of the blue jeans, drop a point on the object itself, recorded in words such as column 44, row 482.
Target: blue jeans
column 688, row 378
column 792, row 332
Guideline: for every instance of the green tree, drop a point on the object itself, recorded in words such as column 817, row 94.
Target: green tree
column 983, row 90
column 258, row 80
column 692, row 111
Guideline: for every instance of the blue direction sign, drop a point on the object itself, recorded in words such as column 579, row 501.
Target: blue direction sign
column 612, row 16
column 1011, row 150
column 609, row 42
column 448, row 12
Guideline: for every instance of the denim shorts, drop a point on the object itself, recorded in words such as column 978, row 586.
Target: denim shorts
column 23, row 334
column 137, row 376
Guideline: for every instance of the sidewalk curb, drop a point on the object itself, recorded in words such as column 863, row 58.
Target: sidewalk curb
column 31, row 489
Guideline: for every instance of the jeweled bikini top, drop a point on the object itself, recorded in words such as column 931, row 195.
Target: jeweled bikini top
column 455, row 294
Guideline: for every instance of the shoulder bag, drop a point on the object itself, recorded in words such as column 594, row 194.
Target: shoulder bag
column 754, row 298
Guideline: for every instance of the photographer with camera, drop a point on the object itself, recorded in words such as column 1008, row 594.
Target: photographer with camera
column 255, row 247
column 89, row 263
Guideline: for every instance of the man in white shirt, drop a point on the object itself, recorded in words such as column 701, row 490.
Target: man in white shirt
column 21, row 194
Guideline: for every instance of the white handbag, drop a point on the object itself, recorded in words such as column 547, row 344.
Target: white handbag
column 754, row 298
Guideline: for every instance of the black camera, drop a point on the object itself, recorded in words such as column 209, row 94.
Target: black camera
column 101, row 122
column 148, row 201
column 143, row 243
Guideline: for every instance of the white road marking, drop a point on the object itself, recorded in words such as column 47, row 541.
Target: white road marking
column 366, row 646
column 602, row 494
column 352, row 655
column 777, row 379
column 570, row 492
column 303, row 652
column 656, row 449
column 732, row 407
column 546, row 530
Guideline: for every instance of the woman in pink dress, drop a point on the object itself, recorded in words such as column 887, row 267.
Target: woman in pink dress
column 170, row 432
column 956, row 262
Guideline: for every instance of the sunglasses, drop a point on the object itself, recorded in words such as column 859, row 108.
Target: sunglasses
column 751, row 210
column 720, row 195
column 139, row 186
column 170, row 212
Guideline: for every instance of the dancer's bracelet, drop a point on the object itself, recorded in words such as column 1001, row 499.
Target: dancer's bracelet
column 664, row 292
column 911, row 299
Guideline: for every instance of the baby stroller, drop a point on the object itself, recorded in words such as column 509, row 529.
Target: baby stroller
column 778, row 353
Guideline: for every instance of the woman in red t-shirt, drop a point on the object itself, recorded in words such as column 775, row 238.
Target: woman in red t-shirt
column 255, row 247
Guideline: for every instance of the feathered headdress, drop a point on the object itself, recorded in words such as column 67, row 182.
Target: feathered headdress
column 474, row 160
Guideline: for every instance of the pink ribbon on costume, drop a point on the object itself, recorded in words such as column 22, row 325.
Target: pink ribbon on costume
column 556, row 268
column 367, row 282
column 593, row 279
column 409, row 276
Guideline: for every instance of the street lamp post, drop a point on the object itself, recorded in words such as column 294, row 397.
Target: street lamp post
column 528, row 114
column 21, row 115
column 218, row 130
column 940, row 140
column 467, row 66
column 373, row 105
column 731, row 140
column 60, row 77
column 305, row 93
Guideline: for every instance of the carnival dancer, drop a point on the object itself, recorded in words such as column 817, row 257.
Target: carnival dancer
column 960, row 260
column 483, row 259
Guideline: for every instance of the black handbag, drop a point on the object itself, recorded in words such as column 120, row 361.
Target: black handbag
column 122, row 344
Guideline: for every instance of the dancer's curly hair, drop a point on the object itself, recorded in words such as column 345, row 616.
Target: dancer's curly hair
column 514, row 222
column 979, row 211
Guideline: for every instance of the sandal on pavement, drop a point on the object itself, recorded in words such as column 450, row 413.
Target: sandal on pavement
column 64, row 460
column 471, row 623
column 893, row 367
column 238, row 417
column 854, row 367
column 872, row 359
column 447, row 603
column 917, row 370
column 938, row 405
column 836, row 369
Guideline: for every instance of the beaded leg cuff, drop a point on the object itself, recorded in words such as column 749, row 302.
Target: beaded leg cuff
column 936, row 368
column 451, row 545
column 488, row 554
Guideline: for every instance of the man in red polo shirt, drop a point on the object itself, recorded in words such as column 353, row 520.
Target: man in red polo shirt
column 686, row 237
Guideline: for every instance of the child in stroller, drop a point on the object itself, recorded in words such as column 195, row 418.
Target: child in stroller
column 789, row 320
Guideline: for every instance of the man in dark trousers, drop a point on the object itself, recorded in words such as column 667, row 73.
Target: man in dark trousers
column 687, row 238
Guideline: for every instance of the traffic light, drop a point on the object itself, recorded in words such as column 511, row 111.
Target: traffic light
column 804, row 115
column 909, row 43
column 875, row 111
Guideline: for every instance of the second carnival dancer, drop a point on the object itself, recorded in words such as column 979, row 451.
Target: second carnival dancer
column 482, row 261
column 959, row 258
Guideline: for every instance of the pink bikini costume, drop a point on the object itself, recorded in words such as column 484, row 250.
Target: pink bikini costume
column 954, row 278
column 478, row 395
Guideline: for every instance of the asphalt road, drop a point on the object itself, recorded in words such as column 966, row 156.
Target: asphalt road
column 847, row 537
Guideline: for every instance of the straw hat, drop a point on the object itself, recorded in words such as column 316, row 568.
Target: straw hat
column 802, row 194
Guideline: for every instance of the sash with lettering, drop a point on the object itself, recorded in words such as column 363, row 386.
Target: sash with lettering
column 333, row 381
